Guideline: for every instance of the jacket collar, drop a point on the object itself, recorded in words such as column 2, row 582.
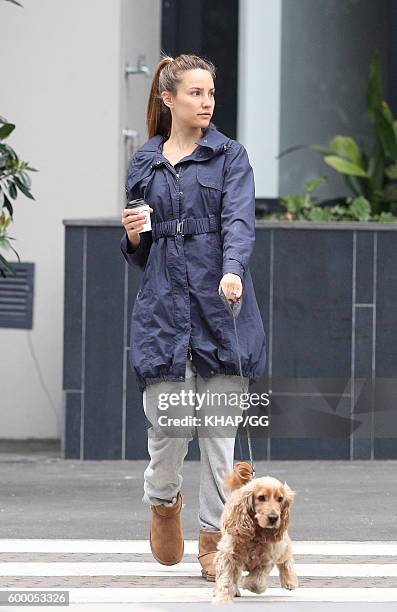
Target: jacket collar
column 212, row 139
column 149, row 155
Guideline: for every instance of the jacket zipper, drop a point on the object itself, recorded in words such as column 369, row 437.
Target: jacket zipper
column 188, row 352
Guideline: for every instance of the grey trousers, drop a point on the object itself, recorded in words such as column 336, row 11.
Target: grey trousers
column 168, row 445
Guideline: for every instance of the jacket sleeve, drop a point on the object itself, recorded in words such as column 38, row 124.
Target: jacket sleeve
column 135, row 256
column 238, row 213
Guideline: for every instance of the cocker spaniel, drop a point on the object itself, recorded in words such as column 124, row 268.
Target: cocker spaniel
column 254, row 535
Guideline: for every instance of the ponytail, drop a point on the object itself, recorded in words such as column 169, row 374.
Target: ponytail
column 166, row 78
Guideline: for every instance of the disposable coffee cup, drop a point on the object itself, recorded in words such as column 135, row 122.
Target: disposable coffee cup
column 144, row 209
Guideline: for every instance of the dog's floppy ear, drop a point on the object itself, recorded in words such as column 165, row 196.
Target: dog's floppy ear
column 289, row 495
column 240, row 513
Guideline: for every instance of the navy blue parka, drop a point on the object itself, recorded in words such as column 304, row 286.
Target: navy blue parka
column 177, row 304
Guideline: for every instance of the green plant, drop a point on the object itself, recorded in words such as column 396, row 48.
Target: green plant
column 306, row 207
column 371, row 177
column 301, row 206
column 13, row 178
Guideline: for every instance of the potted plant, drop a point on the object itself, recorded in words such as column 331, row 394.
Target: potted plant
column 307, row 207
column 14, row 178
column 371, row 176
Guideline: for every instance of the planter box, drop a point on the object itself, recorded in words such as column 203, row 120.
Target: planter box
column 327, row 293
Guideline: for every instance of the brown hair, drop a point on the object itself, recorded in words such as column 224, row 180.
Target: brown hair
column 166, row 77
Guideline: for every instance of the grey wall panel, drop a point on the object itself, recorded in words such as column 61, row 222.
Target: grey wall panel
column 72, row 432
column 103, row 345
column 385, row 426
column 364, row 267
column 362, row 405
column 312, row 307
column 73, row 315
column 385, row 448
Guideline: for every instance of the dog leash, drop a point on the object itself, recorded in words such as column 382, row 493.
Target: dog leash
column 234, row 309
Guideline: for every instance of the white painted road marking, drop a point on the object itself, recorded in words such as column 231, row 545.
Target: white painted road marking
column 136, row 568
column 329, row 547
column 90, row 572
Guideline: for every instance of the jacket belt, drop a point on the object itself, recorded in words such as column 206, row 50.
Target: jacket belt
column 190, row 225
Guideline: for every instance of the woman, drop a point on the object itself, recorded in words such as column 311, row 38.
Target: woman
column 200, row 187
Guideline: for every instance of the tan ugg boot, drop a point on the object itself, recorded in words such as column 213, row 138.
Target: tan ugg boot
column 166, row 534
column 207, row 550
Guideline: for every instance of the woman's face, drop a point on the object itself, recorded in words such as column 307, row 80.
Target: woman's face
column 195, row 100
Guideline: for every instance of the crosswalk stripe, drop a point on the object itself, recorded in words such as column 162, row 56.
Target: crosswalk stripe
column 75, row 557
column 328, row 571
column 329, row 547
column 182, row 569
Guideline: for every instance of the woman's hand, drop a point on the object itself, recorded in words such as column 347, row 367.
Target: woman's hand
column 133, row 222
column 231, row 283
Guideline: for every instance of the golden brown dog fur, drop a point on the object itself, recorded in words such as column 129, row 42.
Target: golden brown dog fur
column 249, row 541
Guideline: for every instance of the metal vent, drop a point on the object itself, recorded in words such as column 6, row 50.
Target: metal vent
column 16, row 297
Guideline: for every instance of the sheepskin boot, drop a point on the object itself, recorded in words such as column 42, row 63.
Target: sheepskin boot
column 166, row 533
column 207, row 550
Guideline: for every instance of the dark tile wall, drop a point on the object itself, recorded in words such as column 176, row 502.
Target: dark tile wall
column 385, row 445
column 327, row 299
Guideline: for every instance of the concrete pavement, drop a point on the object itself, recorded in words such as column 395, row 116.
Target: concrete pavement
column 80, row 526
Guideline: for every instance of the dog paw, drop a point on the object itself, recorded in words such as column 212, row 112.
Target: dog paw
column 289, row 586
column 221, row 598
column 237, row 592
column 290, row 583
column 251, row 584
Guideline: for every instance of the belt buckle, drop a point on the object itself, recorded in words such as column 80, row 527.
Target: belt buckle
column 179, row 226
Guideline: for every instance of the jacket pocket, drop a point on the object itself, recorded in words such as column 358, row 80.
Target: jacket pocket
column 140, row 332
column 210, row 188
column 207, row 177
column 141, row 308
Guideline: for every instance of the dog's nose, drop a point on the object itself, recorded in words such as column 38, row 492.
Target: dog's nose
column 272, row 518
